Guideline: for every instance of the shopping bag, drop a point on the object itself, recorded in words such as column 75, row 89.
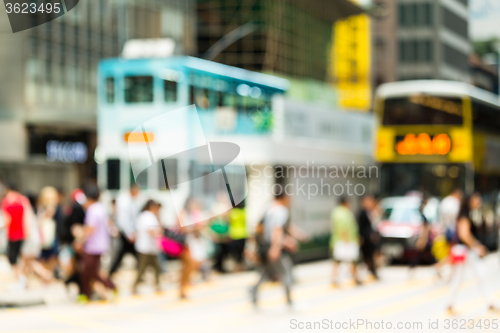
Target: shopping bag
column 346, row 251
column 458, row 254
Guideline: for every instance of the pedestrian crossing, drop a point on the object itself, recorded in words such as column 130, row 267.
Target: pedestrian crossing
column 224, row 303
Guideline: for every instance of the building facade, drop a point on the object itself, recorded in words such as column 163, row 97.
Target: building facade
column 284, row 37
column 48, row 84
column 422, row 39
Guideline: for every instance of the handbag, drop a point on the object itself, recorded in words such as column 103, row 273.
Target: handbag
column 172, row 242
column 346, row 251
column 169, row 246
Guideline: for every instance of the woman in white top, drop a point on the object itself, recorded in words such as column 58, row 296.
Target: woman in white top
column 148, row 230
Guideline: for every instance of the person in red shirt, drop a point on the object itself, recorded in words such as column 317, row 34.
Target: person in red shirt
column 13, row 208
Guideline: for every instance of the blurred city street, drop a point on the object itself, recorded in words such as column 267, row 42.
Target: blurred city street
column 222, row 304
column 249, row 166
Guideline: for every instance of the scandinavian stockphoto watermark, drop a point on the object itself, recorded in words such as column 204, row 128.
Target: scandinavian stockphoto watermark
column 177, row 135
column 311, row 180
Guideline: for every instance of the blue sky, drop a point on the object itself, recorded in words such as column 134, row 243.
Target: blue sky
column 484, row 19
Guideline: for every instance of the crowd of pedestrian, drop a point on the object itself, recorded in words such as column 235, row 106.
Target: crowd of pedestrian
column 54, row 237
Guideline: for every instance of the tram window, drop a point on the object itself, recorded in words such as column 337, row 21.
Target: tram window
column 170, row 91
column 423, row 110
column 171, row 173
column 113, row 171
column 220, row 98
column 138, row 89
column 199, row 96
column 228, row 99
column 485, row 117
column 110, row 90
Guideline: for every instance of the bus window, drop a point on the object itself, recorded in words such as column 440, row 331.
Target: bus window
column 138, row 89
column 170, row 172
column 170, row 91
column 485, row 117
column 423, row 110
column 110, row 90
column 113, row 171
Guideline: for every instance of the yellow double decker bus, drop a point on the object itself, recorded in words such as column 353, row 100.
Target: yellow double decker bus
column 437, row 135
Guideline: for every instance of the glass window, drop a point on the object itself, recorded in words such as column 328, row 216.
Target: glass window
column 170, row 91
column 425, row 51
column 113, row 171
column 228, row 99
column 485, row 117
column 412, row 14
column 429, row 55
column 402, row 15
column 411, row 51
column 402, row 51
column 455, row 23
column 429, row 14
column 110, row 90
column 138, row 89
column 199, row 97
column 423, row 109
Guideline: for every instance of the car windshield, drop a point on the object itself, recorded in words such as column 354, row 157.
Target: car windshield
column 408, row 213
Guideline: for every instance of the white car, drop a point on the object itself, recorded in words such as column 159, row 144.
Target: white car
column 401, row 222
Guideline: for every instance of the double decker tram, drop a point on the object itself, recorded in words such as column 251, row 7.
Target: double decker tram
column 436, row 136
column 229, row 101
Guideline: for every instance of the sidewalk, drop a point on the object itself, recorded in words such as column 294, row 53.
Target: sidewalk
column 12, row 295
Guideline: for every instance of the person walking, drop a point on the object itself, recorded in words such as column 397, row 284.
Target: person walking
column 423, row 242
column 344, row 239
column 148, row 231
column 46, row 210
column 449, row 208
column 70, row 255
column 238, row 234
column 14, row 207
column 275, row 263
column 469, row 250
column 96, row 242
column 32, row 245
column 368, row 237
column 219, row 228
column 126, row 218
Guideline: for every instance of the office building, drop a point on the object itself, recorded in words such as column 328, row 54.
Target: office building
column 48, row 83
column 421, row 39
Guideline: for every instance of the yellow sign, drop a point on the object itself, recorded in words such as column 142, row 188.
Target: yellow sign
column 351, row 68
column 138, row 137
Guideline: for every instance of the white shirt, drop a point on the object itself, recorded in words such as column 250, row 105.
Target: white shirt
column 126, row 214
column 448, row 211
column 144, row 242
column 276, row 217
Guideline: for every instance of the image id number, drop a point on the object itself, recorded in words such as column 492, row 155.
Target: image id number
column 32, row 8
